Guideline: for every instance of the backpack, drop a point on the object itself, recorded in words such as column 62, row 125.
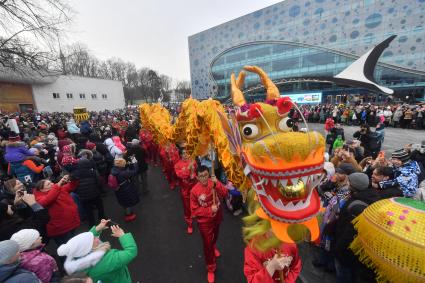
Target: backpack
column 113, row 182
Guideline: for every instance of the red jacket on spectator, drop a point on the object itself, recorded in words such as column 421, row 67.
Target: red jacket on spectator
column 256, row 272
column 62, row 209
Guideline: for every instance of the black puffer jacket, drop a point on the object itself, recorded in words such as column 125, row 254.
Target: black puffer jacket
column 88, row 186
column 126, row 194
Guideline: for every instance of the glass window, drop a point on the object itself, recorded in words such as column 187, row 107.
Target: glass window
column 235, row 57
column 94, row 96
column 261, row 52
column 82, row 96
column 104, row 96
column 69, row 95
column 56, row 95
column 285, row 64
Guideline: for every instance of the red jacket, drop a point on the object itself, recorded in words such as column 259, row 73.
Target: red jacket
column 186, row 179
column 256, row 272
column 62, row 209
column 201, row 200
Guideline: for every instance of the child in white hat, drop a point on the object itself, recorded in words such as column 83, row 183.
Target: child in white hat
column 33, row 258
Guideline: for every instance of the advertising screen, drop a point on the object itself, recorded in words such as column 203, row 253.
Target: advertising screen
column 303, row 98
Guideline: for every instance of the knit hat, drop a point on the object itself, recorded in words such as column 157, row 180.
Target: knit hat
column 90, row 145
column 77, row 246
column 14, row 137
column 8, row 249
column 120, row 162
column 359, row 181
column 345, row 168
column 135, row 142
column 25, row 238
column 401, row 154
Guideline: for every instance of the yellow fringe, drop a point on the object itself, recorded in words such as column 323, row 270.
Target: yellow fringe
column 395, row 254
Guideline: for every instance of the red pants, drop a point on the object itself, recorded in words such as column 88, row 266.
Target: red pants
column 170, row 174
column 209, row 233
column 185, row 194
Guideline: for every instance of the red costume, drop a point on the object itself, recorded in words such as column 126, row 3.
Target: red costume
column 201, row 200
column 149, row 146
column 169, row 155
column 187, row 179
column 255, row 265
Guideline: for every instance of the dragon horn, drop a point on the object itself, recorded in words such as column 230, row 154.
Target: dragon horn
column 271, row 88
column 237, row 95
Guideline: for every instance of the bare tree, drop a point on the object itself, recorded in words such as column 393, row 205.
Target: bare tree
column 29, row 30
column 184, row 88
column 166, row 82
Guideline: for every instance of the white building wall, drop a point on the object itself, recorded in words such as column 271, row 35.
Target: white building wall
column 44, row 100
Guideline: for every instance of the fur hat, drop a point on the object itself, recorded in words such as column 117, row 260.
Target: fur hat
column 135, row 142
column 10, row 184
column 90, row 145
column 359, row 181
column 25, row 238
column 8, row 249
column 77, row 246
column 120, row 162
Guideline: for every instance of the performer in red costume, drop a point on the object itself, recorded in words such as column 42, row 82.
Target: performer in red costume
column 205, row 207
column 185, row 170
column 270, row 266
column 149, row 146
column 169, row 155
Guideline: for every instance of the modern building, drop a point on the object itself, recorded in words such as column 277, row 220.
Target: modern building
column 33, row 91
column 294, row 39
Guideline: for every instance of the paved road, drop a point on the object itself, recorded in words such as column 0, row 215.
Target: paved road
column 395, row 138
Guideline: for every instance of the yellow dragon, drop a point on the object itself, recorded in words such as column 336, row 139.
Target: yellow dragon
column 258, row 149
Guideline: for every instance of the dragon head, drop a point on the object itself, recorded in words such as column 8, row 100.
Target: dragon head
column 283, row 165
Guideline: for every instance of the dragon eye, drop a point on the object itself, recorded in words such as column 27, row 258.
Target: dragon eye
column 286, row 124
column 250, row 131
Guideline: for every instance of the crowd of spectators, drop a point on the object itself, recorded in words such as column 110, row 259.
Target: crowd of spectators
column 395, row 115
column 357, row 175
column 54, row 174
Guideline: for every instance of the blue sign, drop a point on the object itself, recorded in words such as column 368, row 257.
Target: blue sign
column 304, row 98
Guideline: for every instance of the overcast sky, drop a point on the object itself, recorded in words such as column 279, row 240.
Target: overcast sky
column 152, row 33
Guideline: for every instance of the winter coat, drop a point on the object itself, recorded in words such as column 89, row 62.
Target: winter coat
column 16, row 152
column 85, row 128
column 140, row 155
column 113, row 149
column 344, row 229
column 63, row 211
column 126, row 194
column 88, row 186
column 26, row 171
column 13, row 273
column 406, row 177
column 256, row 272
column 112, row 268
column 39, row 262
column 10, row 224
column 72, row 128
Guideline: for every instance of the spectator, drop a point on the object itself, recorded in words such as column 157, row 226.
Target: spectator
column 137, row 151
column 88, row 189
column 347, row 265
column 86, row 252
column 369, row 141
column 63, row 211
column 33, row 258
column 126, row 192
column 385, row 190
column 10, row 269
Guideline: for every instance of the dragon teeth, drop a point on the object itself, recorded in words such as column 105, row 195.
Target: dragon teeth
column 304, row 179
column 294, row 181
column 247, row 170
column 283, row 182
column 274, row 182
column 266, row 181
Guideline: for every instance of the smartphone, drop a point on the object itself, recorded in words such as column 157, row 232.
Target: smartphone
column 20, row 193
column 381, row 154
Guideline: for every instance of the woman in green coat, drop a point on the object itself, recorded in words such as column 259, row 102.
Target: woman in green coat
column 85, row 252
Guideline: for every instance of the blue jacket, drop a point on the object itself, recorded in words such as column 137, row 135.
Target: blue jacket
column 16, row 151
column 12, row 273
column 406, row 177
